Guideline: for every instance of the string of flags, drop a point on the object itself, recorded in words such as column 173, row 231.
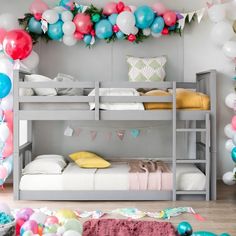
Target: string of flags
column 119, row 133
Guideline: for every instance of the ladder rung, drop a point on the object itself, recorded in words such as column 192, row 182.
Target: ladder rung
column 191, row 130
column 187, row 161
column 191, row 192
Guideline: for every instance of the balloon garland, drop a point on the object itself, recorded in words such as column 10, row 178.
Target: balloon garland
column 222, row 35
column 71, row 22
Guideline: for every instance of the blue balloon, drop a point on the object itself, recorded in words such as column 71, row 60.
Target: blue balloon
column 112, row 18
column 120, row 35
column 35, row 26
column 5, row 85
column 158, row 25
column 233, row 154
column 87, row 39
column 172, row 27
column 65, row 4
column 103, row 29
column 203, row 233
column 184, row 229
column 144, row 16
column 55, row 30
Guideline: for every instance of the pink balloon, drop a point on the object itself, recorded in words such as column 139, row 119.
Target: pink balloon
column 9, row 119
column 24, row 213
column 3, row 33
column 8, row 147
column 38, row 6
column 51, row 220
column 83, row 23
column 233, row 122
column 159, row 8
column 170, row 18
column 3, row 172
column 30, row 225
column 78, row 36
column 127, row 8
column 110, row 8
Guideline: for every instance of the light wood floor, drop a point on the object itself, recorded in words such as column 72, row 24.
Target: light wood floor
column 220, row 215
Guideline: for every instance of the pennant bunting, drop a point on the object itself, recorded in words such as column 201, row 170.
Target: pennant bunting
column 78, row 132
column 44, row 25
column 93, row 134
column 182, row 21
column 68, row 131
column 190, row 16
column 120, row 134
column 109, row 135
column 135, row 133
column 200, row 13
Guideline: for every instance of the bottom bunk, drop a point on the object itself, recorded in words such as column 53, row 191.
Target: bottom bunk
column 113, row 183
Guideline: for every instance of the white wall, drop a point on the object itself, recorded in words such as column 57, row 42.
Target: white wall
column 199, row 54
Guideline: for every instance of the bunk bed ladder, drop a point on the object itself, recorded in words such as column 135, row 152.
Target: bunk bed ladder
column 206, row 161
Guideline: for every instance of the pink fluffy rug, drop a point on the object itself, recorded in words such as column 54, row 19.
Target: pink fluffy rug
column 120, row 227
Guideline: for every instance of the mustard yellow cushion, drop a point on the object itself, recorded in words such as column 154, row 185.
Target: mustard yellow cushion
column 89, row 160
column 185, row 99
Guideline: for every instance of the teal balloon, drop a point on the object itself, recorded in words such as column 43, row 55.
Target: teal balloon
column 158, row 25
column 34, row 26
column 103, row 29
column 55, row 30
column 66, row 4
column 233, row 154
column 112, row 18
column 120, row 35
column 5, row 85
column 203, row 233
column 144, row 16
column 184, row 229
column 172, row 27
column 224, row 234
column 87, row 39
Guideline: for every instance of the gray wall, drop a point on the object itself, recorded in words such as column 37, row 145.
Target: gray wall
column 187, row 55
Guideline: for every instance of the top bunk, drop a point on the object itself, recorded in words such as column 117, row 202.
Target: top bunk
column 115, row 100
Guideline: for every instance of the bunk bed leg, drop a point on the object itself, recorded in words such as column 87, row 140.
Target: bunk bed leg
column 16, row 167
column 174, row 140
column 207, row 157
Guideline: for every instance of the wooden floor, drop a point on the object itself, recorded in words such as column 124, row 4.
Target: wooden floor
column 220, row 215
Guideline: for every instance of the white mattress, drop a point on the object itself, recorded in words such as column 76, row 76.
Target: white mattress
column 189, row 177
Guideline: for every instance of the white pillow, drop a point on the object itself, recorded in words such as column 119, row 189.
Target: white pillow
column 51, row 157
column 26, row 92
column 44, row 166
column 41, row 91
column 117, row 92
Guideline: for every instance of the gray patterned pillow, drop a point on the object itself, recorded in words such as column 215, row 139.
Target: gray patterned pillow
column 146, row 69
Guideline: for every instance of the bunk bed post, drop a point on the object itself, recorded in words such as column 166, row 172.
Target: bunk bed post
column 207, row 157
column 174, row 140
column 16, row 167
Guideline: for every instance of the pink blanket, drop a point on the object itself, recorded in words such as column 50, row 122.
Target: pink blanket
column 120, row 227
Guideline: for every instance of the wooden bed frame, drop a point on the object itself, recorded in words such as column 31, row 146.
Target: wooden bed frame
column 205, row 82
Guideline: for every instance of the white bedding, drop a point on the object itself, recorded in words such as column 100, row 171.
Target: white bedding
column 189, row 177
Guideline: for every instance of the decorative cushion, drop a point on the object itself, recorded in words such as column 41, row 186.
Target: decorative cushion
column 41, row 91
column 146, row 69
column 89, row 160
column 51, row 157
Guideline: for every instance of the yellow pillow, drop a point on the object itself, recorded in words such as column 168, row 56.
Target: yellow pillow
column 89, row 160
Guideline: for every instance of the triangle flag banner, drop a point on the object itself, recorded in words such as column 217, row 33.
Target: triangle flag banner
column 190, row 16
column 209, row 5
column 120, row 134
column 182, row 21
column 78, row 132
column 93, row 134
column 109, row 136
column 135, row 133
column 200, row 14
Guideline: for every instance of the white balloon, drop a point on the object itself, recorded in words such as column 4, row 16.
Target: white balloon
column 8, row 21
column 222, row 32
column 156, row 35
column 69, row 40
column 71, row 233
column 228, row 178
column 234, row 140
column 126, row 22
column 39, row 217
column 229, row 49
column 59, row 9
column 147, row 31
column 66, row 16
column 216, row 13
column 135, row 30
column 69, row 28
column 230, row 100
column 4, row 132
column 6, row 66
column 51, row 16
column 229, row 145
column 32, row 61
column 7, row 103
column 229, row 131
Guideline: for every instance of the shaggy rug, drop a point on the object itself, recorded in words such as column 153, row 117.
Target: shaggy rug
column 122, row 227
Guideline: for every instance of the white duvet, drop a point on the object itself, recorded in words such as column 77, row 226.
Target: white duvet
column 117, row 92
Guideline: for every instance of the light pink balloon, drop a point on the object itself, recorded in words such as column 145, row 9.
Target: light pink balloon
column 3, row 172
column 110, row 8
column 83, row 23
column 8, row 147
column 9, row 119
column 51, row 220
column 159, row 8
column 127, row 8
column 38, row 6
column 3, row 33
column 233, row 122
column 170, row 18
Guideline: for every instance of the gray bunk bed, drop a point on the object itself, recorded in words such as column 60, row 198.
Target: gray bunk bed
column 205, row 132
